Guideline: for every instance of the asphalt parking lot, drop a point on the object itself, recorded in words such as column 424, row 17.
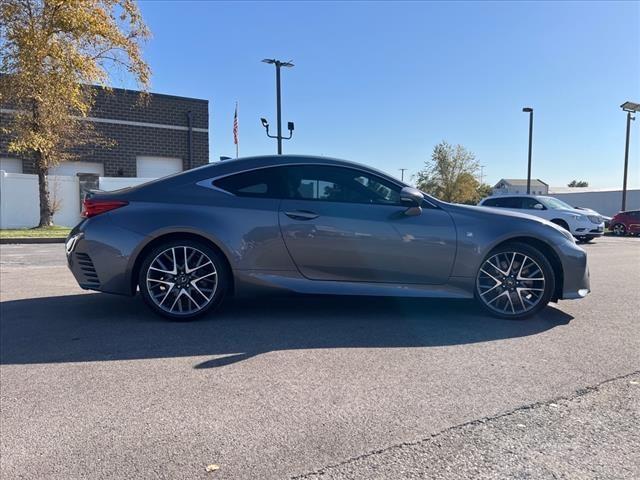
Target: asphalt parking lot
column 95, row 386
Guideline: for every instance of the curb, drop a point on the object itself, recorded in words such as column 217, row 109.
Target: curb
column 31, row 240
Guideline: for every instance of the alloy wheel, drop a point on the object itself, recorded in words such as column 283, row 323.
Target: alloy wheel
column 619, row 229
column 182, row 280
column 511, row 283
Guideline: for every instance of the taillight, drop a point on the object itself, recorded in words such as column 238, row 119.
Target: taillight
column 94, row 206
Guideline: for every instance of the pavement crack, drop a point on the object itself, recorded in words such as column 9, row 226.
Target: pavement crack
column 532, row 406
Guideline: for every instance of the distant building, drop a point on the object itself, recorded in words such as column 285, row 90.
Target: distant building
column 606, row 201
column 516, row 185
column 166, row 135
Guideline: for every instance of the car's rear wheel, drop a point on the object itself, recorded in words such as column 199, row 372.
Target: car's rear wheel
column 183, row 279
column 515, row 281
column 619, row 229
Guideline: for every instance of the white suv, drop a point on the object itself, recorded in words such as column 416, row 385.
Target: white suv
column 584, row 224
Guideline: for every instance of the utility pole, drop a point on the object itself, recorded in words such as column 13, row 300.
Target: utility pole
column 529, row 110
column 278, row 64
column 481, row 174
column 630, row 108
column 402, row 174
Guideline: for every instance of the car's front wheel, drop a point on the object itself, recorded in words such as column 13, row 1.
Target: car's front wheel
column 183, row 279
column 515, row 281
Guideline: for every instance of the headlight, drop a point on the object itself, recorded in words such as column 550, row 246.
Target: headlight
column 596, row 219
column 579, row 218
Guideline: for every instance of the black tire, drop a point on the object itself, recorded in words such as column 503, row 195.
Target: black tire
column 515, row 289
column 619, row 230
column 194, row 293
column 585, row 239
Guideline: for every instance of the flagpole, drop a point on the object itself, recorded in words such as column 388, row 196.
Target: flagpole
column 237, row 136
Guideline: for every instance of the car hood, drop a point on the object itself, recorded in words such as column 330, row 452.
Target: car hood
column 500, row 212
column 576, row 211
column 495, row 211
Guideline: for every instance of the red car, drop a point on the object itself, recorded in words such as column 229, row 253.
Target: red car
column 625, row 223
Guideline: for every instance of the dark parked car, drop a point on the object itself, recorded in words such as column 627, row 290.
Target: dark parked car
column 625, row 223
column 315, row 225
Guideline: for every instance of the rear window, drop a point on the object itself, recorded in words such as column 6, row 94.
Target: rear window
column 263, row 182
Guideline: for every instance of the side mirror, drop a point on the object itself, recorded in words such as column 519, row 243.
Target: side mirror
column 538, row 206
column 412, row 197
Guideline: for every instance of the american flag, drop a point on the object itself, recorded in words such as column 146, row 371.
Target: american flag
column 235, row 126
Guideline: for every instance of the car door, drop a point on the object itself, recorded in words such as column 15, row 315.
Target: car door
column 346, row 224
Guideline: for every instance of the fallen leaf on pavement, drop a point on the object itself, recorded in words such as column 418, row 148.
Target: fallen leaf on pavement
column 212, row 468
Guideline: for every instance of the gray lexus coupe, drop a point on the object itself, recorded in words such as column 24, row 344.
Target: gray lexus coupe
column 317, row 226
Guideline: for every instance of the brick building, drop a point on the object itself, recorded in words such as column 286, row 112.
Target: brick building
column 166, row 135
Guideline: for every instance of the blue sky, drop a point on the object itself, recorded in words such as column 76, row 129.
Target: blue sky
column 381, row 83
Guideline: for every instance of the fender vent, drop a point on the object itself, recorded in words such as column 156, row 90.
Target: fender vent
column 89, row 271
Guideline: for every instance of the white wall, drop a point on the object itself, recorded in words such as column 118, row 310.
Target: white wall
column 604, row 202
column 19, row 199
column 115, row 183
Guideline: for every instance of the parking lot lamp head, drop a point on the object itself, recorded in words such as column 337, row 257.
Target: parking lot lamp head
column 278, row 64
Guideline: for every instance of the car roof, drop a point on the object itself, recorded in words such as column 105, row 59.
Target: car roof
column 227, row 167
column 505, row 195
column 512, row 195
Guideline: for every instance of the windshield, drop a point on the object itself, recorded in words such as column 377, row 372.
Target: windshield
column 554, row 203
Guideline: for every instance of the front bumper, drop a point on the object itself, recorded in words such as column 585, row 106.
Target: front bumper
column 590, row 230
column 576, row 283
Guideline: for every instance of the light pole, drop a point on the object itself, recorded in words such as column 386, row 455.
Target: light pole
column 402, row 170
column 630, row 108
column 529, row 110
column 279, row 64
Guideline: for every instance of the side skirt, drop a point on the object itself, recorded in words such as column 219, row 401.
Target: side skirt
column 251, row 281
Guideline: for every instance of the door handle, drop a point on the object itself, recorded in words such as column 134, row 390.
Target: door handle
column 301, row 215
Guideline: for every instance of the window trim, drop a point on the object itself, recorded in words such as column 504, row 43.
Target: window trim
column 209, row 182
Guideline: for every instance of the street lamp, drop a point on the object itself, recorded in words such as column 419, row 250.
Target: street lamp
column 630, row 108
column 265, row 124
column 529, row 110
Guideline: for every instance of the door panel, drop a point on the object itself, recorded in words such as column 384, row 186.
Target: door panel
column 368, row 242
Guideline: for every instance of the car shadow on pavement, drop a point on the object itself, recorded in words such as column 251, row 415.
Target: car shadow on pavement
column 100, row 327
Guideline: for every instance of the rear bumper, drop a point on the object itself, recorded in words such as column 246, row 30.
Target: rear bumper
column 98, row 255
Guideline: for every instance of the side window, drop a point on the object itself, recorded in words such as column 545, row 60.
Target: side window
column 338, row 184
column 263, row 182
column 513, row 202
column 508, row 202
column 492, row 202
column 530, row 204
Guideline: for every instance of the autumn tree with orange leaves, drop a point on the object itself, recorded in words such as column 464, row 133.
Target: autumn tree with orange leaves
column 51, row 53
